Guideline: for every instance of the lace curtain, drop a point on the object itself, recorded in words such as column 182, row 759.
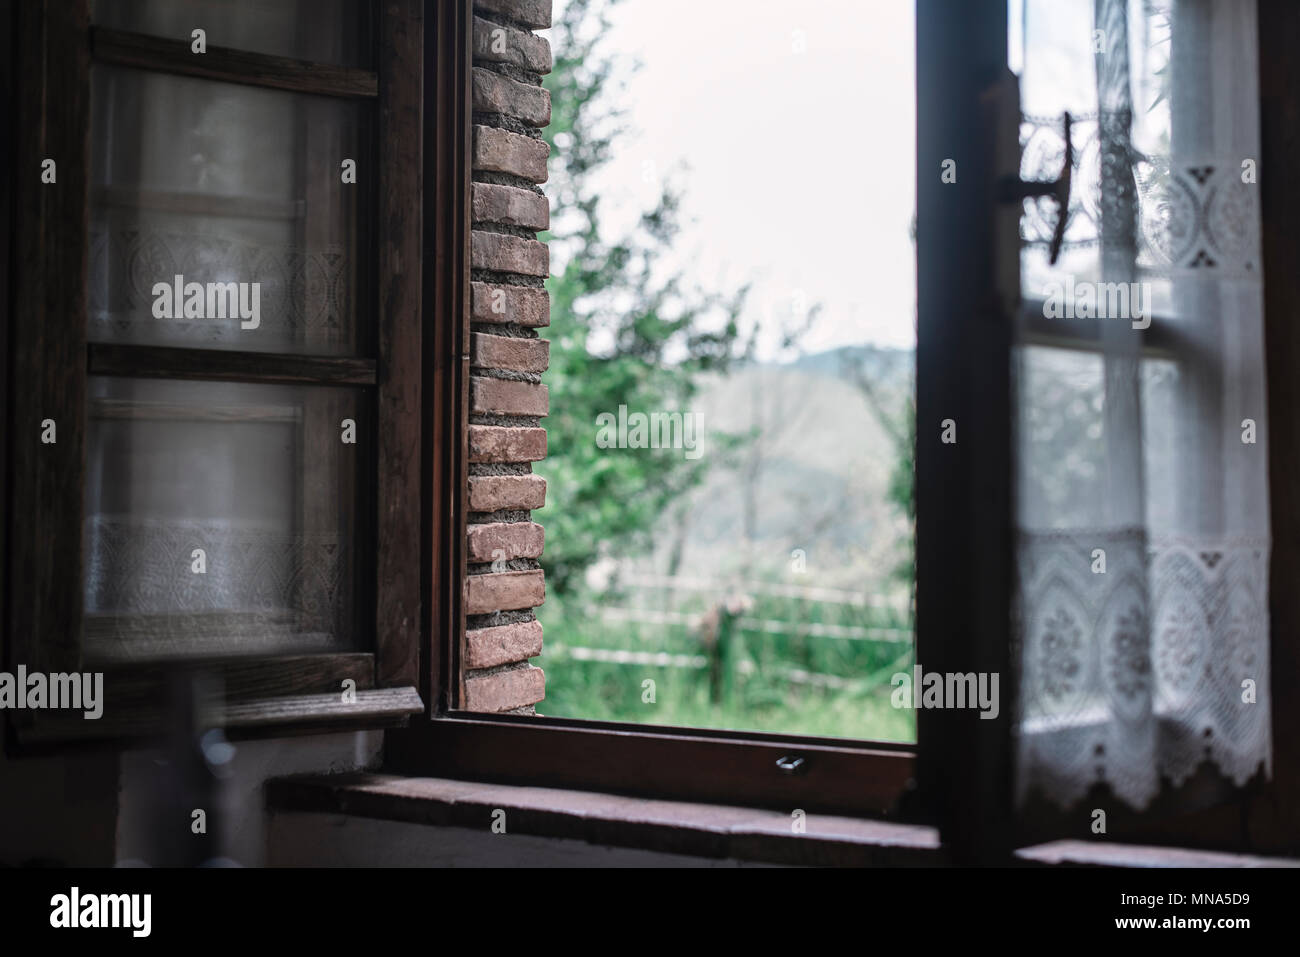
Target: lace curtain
column 222, row 518
column 1143, row 540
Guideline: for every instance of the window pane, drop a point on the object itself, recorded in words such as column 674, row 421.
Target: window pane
column 729, row 543
column 222, row 518
column 328, row 31
column 1062, row 435
column 1057, row 63
column 220, row 183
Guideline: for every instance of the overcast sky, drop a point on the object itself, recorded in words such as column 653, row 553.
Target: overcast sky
column 791, row 127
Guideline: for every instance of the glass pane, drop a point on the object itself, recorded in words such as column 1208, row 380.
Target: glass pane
column 327, row 31
column 729, row 544
column 222, row 518
column 1062, row 435
column 220, row 184
column 1055, row 52
column 1143, row 520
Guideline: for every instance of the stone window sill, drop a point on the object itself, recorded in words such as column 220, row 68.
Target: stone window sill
column 677, row 827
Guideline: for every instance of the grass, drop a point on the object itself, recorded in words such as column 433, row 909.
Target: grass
column 761, row 695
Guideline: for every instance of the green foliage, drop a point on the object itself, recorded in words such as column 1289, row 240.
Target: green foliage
column 771, row 677
column 902, row 493
column 897, row 418
column 622, row 332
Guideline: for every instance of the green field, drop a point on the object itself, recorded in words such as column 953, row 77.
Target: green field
column 768, row 677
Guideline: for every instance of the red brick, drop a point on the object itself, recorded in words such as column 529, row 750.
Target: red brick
column 505, row 541
column 510, row 205
column 521, row 305
column 494, row 93
column 504, row 591
column 492, row 493
column 508, row 397
column 515, row 47
column 509, row 352
column 505, row 690
column 500, row 151
column 502, row 253
column 499, row 443
column 490, row 647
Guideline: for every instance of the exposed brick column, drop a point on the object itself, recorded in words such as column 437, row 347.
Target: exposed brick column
column 507, row 358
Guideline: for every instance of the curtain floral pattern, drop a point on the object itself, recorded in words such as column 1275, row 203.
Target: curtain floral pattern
column 1143, row 540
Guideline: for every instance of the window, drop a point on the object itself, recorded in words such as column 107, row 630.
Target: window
column 217, row 336
column 962, row 767
column 758, row 576
column 147, row 449
column 1028, row 365
column 725, row 760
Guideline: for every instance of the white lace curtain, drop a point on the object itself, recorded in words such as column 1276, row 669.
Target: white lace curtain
column 1143, row 513
column 221, row 516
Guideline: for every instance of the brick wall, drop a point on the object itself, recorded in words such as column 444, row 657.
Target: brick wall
column 508, row 400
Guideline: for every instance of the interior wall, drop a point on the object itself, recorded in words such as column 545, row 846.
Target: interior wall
column 58, row 811
column 240, row 814
column 100, row 809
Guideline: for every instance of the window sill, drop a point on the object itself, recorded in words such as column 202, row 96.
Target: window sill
column 671, row 827
column 683, row 828
column 1087, row 854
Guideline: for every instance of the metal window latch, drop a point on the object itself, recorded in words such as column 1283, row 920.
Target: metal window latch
column 1013, row 189
column 791, row 764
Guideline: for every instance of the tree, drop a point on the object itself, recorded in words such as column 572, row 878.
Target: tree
column 622, row 332
column 897, row 418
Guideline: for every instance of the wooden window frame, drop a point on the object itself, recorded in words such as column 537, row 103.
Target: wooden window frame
column 967, row 766
column 834, row 776
column 1211, row 812
column 50, row 46
column 424, row 218
column 959, row 775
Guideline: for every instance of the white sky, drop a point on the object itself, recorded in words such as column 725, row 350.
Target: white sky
column 798, row 165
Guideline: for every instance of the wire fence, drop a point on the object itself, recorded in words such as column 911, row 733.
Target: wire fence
column 717, row 630
column 825, row 596
column 770, row 626
column 663, row 659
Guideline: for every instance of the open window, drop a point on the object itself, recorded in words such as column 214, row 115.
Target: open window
column 978, row 319
column 658, row 684
column 1112, row 332
column 1145, row 680
column 238, row 382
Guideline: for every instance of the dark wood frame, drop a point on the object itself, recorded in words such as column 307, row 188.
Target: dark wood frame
column 961, row 768
column 687, row 763
column 1264, row 816
column 723, row 767
column 446, row 171
column 963, row 373
column 966, row 772
column 50, row 46
column 960, row 774
column 426, row 198
column 1270, row 819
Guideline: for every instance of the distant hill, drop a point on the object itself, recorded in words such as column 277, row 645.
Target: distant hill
column 813, row 478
